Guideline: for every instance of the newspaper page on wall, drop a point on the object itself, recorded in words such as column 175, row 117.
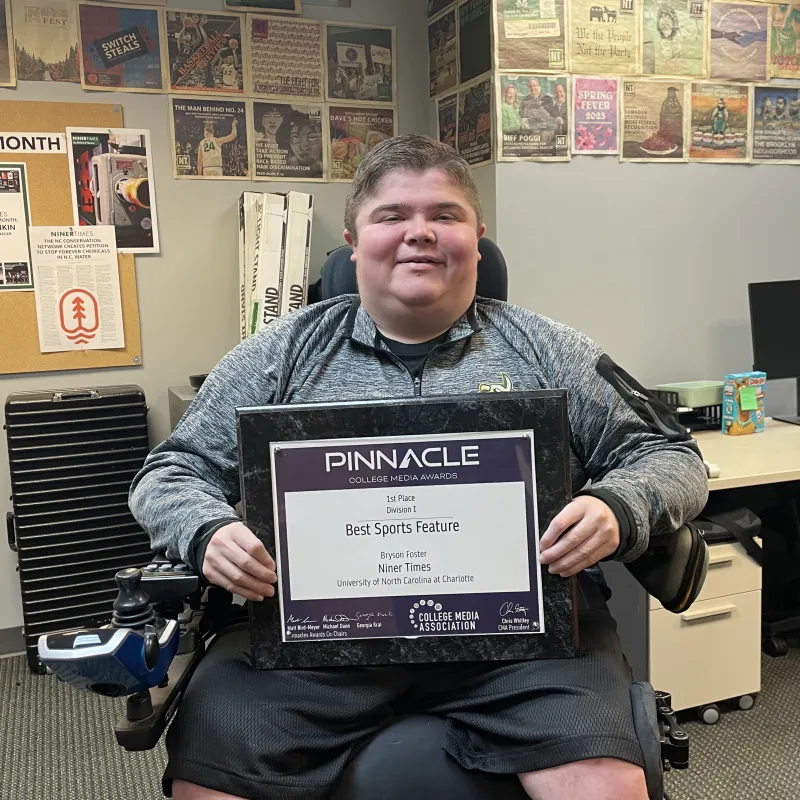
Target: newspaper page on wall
column 288, row 141
column 738, row 49
column 776, row 124
column 475, row 123
column 209, row 138
column 16, row 271
column 8, row 67
column 604, row 38
column 719, row 121
column 111, row 176
column 674, row 38
column 594, row 117
column 534, row 117
column 46, row 40
column 447, row 108
column 78, row 303
column 205, row 52
column 360, row 63
column 443, row 53
column 353, row 133
column 474, row 39
column 653, row 120
column 121, row 48
column 271, row 6
column 530, row 35
column 784, row 41
column 285, row 58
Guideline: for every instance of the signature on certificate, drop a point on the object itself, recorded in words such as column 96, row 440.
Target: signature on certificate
column 512, row 608
column 293, row 620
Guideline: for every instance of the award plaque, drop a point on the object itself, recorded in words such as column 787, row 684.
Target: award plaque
column 407, row 531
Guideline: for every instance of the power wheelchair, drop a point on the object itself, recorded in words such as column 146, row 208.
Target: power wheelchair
column 165, row 617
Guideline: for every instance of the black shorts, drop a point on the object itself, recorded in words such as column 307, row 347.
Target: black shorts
column 288, row 734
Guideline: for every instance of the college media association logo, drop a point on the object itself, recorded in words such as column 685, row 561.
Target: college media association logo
column 429, row 616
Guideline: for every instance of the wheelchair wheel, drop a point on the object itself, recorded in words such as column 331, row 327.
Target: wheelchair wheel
column 709, row 714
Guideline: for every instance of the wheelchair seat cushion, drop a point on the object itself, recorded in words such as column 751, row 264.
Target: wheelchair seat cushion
column 292, row 733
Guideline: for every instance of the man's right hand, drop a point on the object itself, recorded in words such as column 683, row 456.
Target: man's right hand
column 237, row 560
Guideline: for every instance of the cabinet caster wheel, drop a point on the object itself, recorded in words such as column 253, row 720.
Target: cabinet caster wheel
column 709, row 714
column 746, row 702
column 776, row 646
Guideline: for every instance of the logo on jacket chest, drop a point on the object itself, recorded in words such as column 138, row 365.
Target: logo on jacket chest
column 503, row 385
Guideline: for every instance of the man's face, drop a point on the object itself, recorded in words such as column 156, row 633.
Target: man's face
column 534, row 87
column 780, row 105
column 417, row 249
column 560, row 94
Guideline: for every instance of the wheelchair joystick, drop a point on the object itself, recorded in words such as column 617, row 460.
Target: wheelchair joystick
column 132, row 608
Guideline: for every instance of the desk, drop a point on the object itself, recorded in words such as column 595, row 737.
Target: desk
column 714, row 651
column 772, row 456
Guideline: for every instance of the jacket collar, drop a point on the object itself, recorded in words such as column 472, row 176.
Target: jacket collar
column 360, row 328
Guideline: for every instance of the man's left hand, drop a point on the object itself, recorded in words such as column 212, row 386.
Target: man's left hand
column 585, row 532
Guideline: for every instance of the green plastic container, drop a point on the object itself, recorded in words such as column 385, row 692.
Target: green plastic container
column 696, row 394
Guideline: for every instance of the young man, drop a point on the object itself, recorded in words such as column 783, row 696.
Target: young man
column 413, row 218
column 209, row 150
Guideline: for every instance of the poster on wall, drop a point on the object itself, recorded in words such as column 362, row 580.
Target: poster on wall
column 353, row 133
column 360, row 63
column 674, row 38
column 121, row 48
column 46, row 40
column 652, row 120
column 784, row 41
column 285, row 58
column 738, row 49
column 8, row 72
column 15, row 217
column 594, row 116
column 209, row 138
column 530, row 36
column 111, row 177
column 288, row 141
column 205, row 53
column 447, row 108
column 475, row 39
column 604, row 38
column 443, row 54
column 272, row 6
column 78, row 304
column 776, row 124
column 329, row 3
column 534, row 117
column 475, row 124
column 720, row 113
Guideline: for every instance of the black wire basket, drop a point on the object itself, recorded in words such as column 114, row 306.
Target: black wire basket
column 706, row 418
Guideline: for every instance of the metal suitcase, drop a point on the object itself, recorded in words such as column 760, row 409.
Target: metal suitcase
column 72, row 456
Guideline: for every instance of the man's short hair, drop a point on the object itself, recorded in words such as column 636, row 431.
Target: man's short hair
column 414, row 152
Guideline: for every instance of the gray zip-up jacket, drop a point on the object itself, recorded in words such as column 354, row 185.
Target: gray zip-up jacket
column 331, row 351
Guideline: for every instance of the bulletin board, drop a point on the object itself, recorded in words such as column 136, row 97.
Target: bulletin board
column 51, row 204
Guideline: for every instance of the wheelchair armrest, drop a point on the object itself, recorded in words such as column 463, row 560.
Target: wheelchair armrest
column 165, row 579
column 674, row 568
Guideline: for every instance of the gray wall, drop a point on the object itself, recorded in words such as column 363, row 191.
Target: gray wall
column 188, row 294
column 651, row 260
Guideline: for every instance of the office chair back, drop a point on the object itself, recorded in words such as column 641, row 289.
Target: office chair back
column 339, row 273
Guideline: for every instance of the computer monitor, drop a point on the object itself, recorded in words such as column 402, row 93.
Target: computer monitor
column 775, row 327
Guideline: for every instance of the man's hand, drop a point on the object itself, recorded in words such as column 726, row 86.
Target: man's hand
column 582, row 534
column 237, row 560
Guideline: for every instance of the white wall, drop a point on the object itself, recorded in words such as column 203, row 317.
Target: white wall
column 188, row 294
column 652, row 260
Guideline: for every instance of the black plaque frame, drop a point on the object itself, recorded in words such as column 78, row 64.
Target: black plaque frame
column 543, row 411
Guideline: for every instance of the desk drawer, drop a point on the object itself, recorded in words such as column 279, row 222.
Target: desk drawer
column 730, row 571
column 710, row 652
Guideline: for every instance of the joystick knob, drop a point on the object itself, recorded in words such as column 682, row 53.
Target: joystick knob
column 132, row 608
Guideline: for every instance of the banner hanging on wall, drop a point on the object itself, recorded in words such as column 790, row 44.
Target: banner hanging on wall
column 604, row 39
column 529, row 36
column 46, row 40
column 674, row 38
column 776, row 124
column 594, row 118
column 720, row 115
column 652, row 120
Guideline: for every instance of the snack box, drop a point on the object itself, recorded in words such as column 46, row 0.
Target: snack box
column 738, row 417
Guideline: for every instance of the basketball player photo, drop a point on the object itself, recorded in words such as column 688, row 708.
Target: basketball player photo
column 210, row 138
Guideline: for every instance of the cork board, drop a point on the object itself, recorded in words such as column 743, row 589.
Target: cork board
column 51, row 204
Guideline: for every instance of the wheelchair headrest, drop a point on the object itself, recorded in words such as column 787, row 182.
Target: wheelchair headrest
column 339, row 272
